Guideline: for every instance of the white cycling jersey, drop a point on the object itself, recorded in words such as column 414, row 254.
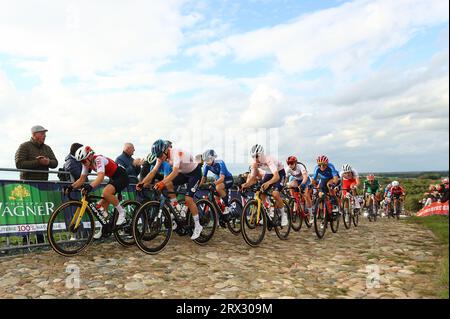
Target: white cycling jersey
column 354, row 174
column 182, row 160
column 268, row 164
column 298, row 172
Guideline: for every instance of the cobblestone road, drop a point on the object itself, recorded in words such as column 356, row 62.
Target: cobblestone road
column 404, row 256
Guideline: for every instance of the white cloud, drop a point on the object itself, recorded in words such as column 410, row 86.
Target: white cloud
column 347, row 37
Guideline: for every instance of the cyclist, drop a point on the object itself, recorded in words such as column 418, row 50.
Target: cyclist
column 350, row 181
column 104, row 166
column 397, row 191
column 298, row 177
column 274, row 177
column 223, row 178
column 371, row 188
column 329, row 177
column 184, row 171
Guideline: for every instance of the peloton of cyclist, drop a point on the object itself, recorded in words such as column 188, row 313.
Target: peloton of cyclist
column 275, row 176
column 184, row 171
column 223, row 178
column 104, row 166
column 298, row 177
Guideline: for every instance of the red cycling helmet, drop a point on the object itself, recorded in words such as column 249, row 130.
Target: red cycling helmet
column 370, row 177
column 292, row 160
column 322, row 159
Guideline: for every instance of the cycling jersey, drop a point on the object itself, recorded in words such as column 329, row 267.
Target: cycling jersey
column 397, row 191
column 102, row 164
column 182, row 160
column 217, row 168
column 354, row 175
column 268, row 164
column 371, row 188
column 297, row 172
column 328, row 174
column 165, row 169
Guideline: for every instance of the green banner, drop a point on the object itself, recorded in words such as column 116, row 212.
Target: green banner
column 26, row 207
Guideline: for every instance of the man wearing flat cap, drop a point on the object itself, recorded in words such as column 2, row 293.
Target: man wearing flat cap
column 35, row 155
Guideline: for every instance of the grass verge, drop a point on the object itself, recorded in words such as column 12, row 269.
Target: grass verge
column 439, row 226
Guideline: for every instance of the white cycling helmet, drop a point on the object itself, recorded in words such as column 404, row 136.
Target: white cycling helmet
column 395, row 183
column 83, row 152
column 209, row 155
column 346, row 168
column 257, row 150
column 151, row 158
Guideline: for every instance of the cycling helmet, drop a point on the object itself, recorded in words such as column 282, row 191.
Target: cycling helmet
column 209, row 155
column 257, row 150
column 370, row 177
column 151, row 158
column 395, row 184
column 159, row 147
column 292, row 160
column 322, row 159
column 346, row 168
column 83, row 152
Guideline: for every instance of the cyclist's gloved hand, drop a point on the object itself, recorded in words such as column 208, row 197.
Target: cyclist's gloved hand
column 160, row 186
column 87, row 188
column 67, row 189
column 212, row 186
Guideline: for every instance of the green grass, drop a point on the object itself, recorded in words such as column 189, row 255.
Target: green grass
column 439, row 226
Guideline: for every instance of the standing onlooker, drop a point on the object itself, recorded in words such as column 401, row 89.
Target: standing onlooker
column 71, row 164
column 131, row 165
column 35, row 155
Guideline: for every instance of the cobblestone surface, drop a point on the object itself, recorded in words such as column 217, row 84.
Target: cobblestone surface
column 402, row 255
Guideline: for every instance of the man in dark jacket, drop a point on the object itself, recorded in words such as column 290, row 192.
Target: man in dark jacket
column 71, row 164
column 131, row 165
column 35, row 155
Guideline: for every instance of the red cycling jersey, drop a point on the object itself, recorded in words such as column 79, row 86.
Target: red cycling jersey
column 397, row 191
column 102, row 164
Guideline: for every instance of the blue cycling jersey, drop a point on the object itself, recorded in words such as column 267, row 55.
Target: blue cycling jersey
column 218, row 168
column 328, row 174
column 165, row 168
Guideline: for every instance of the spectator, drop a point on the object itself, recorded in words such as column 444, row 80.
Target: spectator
column 71, row 164
column 131, row 165
column 35, row 155
column 444, row 190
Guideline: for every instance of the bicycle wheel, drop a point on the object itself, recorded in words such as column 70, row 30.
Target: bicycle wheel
column 320, row 219
column 208, row 220
column 306, row 217
column 63, row 237
column 334, row 221
column 253, row 229
column 124, row 232
column 296, row 215
column 234, row 224
column 346, row 213
column 151, row 227
column 283, row 231
column 398, row 209
column 356, row 217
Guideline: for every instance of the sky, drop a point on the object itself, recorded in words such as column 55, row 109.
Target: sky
column 363, row 82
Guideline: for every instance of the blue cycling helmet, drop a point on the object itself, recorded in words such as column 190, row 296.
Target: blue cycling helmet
column 159, row 147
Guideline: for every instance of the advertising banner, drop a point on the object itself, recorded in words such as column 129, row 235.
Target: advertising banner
column 434, row 209
column 26, row 207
